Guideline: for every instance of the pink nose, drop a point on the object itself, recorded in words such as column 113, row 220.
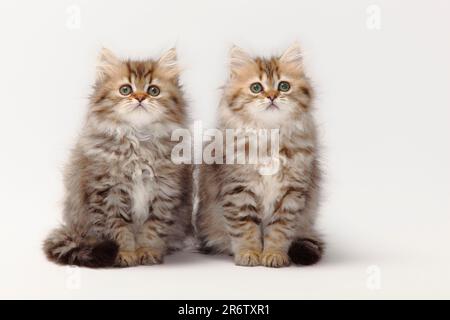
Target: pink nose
column 272, row 95
column 139, row 96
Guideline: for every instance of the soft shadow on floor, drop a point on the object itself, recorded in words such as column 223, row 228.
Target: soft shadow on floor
column 335, row 256
column 332, row 256
column 194, row 258
column 339, row 254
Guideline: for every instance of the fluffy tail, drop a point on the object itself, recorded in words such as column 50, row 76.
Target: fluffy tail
column 64, row 246
column 306, row 251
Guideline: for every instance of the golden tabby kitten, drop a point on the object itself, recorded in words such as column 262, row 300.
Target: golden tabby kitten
column 264, row 219
column 126, row 202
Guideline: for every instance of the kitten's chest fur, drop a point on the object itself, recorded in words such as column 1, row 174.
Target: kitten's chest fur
column 142, row 192
column 140, row 167
column 270, row 188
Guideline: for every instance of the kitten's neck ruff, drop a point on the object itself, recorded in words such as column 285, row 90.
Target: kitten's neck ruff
column 300, row 130
column 152, row 132
column 143, row 135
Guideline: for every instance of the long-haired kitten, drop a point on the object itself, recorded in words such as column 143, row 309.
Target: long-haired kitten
column 126, row 203
column 264, row 219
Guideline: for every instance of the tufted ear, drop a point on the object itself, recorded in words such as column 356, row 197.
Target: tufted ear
column 293, row 55
column 107, row 62
column 169, row 63
column 238, row 59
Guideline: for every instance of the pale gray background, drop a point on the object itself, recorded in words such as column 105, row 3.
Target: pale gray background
column 383, row 107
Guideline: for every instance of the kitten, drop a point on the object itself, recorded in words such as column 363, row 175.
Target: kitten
column 126, row 203
column 264, row 219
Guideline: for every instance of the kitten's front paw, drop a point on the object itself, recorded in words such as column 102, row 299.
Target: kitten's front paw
column 126, row 259
column 275, row 259
column 149, row 256
column 249, row 258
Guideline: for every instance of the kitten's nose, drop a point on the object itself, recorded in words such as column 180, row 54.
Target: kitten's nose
column 140, row 96
column 272, row 95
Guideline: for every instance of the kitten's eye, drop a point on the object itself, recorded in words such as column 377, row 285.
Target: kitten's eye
column 256, row 87
column 153, row 91
column 284, row 86
column 125, row 90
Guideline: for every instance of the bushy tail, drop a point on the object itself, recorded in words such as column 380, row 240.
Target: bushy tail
column 64, row 246
column 305, row 251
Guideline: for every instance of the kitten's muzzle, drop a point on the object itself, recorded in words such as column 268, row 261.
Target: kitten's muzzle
column 273, row 106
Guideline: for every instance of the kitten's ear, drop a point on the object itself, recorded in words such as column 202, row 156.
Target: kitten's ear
column 293, row 55
column 107, row 62
column 238, row 59
column 169, row 63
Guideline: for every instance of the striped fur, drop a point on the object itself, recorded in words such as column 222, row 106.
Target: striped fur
column 126, row 202
column 264, row 219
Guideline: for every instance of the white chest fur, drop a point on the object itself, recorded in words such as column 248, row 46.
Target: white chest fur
column 140, row 199
column 271, row 190
column 142, row 194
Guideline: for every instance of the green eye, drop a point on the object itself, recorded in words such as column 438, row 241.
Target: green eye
column 125, row 90
column 256, row 87
column 284, row 86
column 153, row 91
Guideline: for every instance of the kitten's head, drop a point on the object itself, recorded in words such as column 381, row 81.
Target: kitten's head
column 137, row 93
column 267, row 91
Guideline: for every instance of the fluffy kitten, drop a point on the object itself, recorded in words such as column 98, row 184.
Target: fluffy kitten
column 126, row 202
column 264, row 219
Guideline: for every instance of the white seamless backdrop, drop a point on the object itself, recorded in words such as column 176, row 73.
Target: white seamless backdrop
column 381, row 70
